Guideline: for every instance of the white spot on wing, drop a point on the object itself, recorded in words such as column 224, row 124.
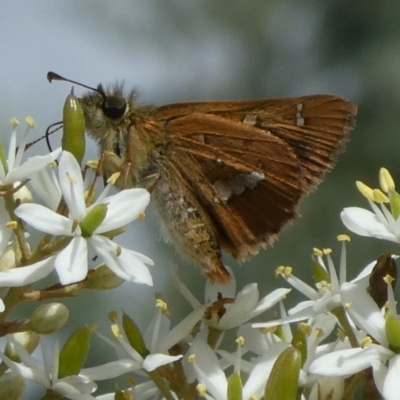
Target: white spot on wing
column 238, row 184
column 250, row 119
column 299, row 115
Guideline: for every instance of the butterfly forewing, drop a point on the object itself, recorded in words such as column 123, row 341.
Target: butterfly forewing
column 254, row 160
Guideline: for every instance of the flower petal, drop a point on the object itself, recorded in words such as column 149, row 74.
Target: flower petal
column 111, row 370
column 44, row 219
column 123, row 208
column 26, row 275
column 181, row 330
column 387, row 379
column 31, row 166
column 365, row 223
column 129, row 265
column 344, row 362
column 364, row 311
column 71, row 183
column 72, row 262
column 154, row 361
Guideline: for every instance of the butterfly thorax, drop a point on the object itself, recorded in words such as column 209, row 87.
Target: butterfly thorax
column 131, row 141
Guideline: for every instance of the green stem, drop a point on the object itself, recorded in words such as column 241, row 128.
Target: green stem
column 341, row 315
column 159, row 382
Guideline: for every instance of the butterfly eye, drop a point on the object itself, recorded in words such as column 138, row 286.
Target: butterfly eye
column 114, row 107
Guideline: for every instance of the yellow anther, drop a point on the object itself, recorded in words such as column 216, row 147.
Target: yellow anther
column 30, row 121
column 343, row 238
column 12, row 224
column 327, row 251
column 347, row 305
column 161, row 304
column 141, row 216
column 367, row 341
column 192, row 358
column 305, row 328
column 365, row 190
column 287, row 272
column 317, row 252
column 386, row 181
column 113, row 178
column 115, row 331
column 389, row 279
column 201, row 390
column 240, row 340
column 92, row 164
column 279, row 271
column 14, row 122
column 380, row 197
column 319, row 332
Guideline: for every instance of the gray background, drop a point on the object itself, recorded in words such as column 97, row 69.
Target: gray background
column 207, row 50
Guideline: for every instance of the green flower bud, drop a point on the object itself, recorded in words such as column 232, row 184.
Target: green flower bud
column 29, row 341
column 22, row 195
column 73, row 139
column 133, row 335
column 284, row 378
column 300, row 342
column 74, row 352
column 395, row 204
column 235, row 387
column 93, row 219
column 119, row 395
column 9, row 258
column 102, row 278
column 48, row 318
column 12, row 386
column 393, row 332
column 319, row 273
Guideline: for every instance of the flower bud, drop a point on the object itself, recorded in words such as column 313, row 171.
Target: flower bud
column 12, row 386
column 29, row 341
column 73, row 139
column 395, row 204
column 393, row 332
column 102, row 278
column 235, row 387
column 74, row 352
column 300, row 342
column 284, row 378
column 133, row 335
column 23, row 194
column 93, row 219
column 48, row 318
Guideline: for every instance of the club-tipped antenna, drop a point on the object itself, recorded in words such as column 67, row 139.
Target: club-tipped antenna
column 52, row 76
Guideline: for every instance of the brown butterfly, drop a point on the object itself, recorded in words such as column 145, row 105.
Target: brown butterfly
column 224, row 175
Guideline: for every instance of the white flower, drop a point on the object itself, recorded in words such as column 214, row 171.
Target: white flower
column 159, row 338
column 327, row 295
column 71, row 263
column 382, row 223
column 385, row 363
column 226, row 309
column 14, row 171
column 46, row 374
column 209, row 372
column 379, row 224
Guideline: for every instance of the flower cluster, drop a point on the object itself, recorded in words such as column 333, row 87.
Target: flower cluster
column 226, row 347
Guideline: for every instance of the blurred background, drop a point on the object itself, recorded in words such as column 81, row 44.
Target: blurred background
column 174, row 51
